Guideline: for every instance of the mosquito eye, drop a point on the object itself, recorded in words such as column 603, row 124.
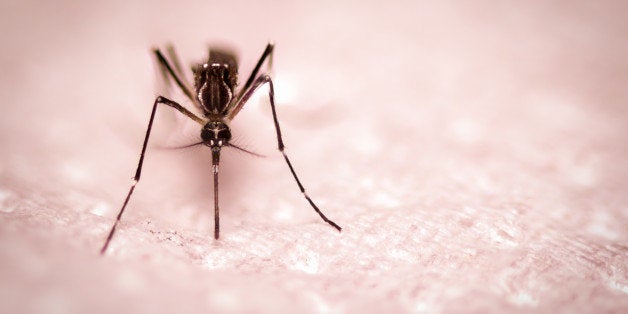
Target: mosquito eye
column 207, row 135
column 224, row 134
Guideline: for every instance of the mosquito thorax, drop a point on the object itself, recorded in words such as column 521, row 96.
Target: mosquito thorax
column 216, row 133
column 215, row 84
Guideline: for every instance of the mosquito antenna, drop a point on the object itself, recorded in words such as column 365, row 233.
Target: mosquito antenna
column 242, row 149
column 188, row 146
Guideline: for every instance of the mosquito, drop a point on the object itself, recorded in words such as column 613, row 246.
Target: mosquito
column 216, row 94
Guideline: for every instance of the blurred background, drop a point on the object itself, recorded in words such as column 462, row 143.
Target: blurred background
column 474, row 153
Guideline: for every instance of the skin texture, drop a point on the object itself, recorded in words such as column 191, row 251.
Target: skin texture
column 474, row 154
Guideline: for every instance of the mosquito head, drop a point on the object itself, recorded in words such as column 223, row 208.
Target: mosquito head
column 215, row 134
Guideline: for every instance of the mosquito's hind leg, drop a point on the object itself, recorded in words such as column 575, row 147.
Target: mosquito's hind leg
column 237, row 104
column 167, row 68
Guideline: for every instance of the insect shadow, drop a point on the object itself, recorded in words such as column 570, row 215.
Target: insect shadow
column 216, row 94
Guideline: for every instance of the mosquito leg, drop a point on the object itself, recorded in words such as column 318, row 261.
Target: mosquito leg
column 172, row 55
column 165, row 64
column 138, row 172
column 271, row 94
column 267, row 54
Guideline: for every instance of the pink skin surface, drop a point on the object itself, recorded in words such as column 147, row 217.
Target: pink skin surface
column 475, row 155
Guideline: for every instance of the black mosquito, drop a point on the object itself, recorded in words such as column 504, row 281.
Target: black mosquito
column 216, row 95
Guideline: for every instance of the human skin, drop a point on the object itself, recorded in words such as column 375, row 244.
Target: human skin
column 474, row 154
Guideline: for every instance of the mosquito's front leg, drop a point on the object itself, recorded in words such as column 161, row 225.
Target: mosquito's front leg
column 138, row 172
column 271, row 95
